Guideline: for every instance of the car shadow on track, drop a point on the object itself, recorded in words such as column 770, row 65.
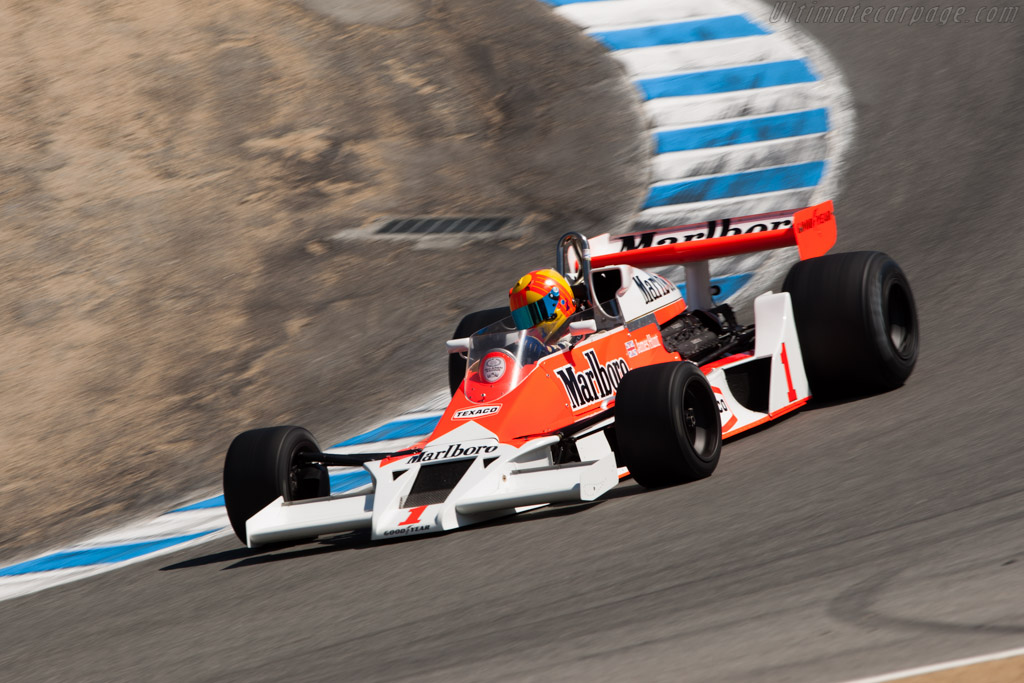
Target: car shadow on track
column 811, row 406
column 829, row 402
column 360, row 540
column 244, row 557
column 762, row 427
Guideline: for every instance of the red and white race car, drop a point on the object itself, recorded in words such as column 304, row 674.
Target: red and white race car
column 643, row 381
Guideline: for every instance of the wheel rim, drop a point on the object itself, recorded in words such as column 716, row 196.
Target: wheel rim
column 303, row 480
column 900, row 320
column 699, row 420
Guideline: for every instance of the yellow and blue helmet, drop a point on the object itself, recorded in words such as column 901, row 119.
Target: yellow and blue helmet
column 541, row 299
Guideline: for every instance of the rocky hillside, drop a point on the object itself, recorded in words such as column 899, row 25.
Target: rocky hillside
column 172, row 174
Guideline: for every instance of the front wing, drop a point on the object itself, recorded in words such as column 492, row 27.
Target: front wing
column 469, row 478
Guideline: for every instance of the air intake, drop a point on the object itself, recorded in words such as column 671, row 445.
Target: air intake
column 434, row 482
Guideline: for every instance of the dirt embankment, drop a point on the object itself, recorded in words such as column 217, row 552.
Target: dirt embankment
column 171, row 173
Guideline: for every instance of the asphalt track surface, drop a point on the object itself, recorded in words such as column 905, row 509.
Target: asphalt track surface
column 845, row 541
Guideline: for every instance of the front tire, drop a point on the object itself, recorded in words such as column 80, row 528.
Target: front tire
column 261, row 466
column 667, row 425
column 857, row 322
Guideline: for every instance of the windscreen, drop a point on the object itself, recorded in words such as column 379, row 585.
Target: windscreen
column 501, row 357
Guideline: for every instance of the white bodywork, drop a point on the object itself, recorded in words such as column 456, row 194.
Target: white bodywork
column 776, row 340
column 516, row 478
column 642, row 293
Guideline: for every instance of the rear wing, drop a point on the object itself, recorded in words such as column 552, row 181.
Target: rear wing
column 812, row 231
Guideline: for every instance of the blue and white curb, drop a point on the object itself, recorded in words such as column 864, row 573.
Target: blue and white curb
column 195, row 523
column 745, row 116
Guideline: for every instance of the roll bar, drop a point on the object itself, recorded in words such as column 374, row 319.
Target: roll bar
column 575, row 242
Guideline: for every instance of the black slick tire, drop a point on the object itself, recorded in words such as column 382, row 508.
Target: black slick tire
column 260, row 467
column 667, row 425
column 470, row 324
column 857, row 323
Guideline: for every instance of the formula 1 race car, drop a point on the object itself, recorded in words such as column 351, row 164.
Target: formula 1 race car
column 642, row 381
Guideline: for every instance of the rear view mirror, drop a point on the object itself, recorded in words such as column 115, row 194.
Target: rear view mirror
column 458, row 345
column 582, row 328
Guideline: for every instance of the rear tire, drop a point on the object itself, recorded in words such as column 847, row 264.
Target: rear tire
column 667, row 426
column 470, row 324
column 857, row 322
column 260, row 467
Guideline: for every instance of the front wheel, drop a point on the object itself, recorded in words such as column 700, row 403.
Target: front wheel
column 667, row 426
column 262, row 465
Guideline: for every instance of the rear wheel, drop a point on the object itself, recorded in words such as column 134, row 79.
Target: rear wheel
column 857, row 322
column 667, row 426
column 262, row 465
column 470, row 324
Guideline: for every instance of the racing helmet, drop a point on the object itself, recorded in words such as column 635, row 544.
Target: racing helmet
column 541, row 299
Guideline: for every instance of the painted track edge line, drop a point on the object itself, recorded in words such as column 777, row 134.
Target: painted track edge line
column 15, row 584
column 942, row 666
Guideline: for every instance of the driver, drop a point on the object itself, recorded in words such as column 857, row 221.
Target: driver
column 540, row 302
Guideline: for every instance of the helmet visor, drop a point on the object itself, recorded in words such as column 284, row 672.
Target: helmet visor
column 536, row 313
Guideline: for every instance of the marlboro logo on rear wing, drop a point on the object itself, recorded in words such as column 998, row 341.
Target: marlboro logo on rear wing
column 811, row 230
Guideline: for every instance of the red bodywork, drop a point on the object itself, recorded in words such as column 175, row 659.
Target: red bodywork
column 550, row 402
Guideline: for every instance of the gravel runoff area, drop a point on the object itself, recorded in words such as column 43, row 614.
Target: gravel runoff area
column 172, row 175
